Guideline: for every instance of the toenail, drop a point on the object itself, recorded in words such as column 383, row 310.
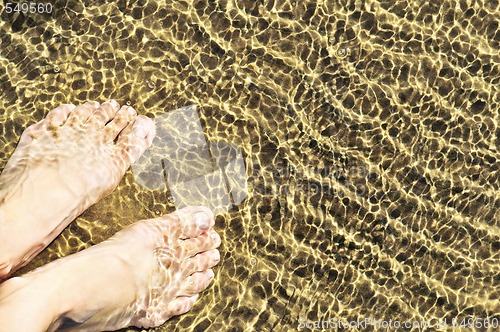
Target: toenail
column 131, row 110
column 216, row 256
column 140, row 131
column 201, row 220
column 114, row 103
column 216, row 237
column 210, row 274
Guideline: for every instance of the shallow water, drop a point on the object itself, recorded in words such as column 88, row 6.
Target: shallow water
column 370, row 132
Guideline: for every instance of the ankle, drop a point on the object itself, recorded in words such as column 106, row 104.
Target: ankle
column 27, row 305
column 32, row 302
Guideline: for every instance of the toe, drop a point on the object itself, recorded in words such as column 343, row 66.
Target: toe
column 136, row 138
column 181, row 305
column 197, row 282
column 29, row 134
column 195, row 220
column 125, row 115
column 103, row 114
column 58, row 116
column 5, row 267
column 201, row 262
column 81, row 113
column 54, row 119
column 204, row 242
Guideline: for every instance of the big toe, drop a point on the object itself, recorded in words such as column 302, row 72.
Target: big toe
column 195, row 220
column 136, row 138
column 54, row 119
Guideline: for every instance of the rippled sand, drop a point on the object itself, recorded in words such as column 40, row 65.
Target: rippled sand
column 370, row 132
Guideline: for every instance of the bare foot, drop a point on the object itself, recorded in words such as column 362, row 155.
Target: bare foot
column 61, row 166
column 142, row 276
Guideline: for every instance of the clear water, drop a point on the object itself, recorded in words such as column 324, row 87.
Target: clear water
column 369, row 132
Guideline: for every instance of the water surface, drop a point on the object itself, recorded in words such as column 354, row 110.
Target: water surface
column 369, row 131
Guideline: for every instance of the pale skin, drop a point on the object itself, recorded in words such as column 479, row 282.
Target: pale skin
column 142, row 276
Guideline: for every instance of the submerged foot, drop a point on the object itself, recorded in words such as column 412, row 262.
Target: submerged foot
column 142, row 276
column 61, row 166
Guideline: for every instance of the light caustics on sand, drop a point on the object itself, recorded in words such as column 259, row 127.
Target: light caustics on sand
column 196, row 172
